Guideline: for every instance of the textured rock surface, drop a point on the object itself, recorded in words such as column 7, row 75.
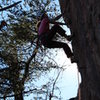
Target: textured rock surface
column 83, row 19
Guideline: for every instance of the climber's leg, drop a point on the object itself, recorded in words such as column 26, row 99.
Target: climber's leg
column 57, row 29
column 55, row 44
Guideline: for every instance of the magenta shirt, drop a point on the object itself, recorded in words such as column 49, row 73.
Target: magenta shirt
column 44, row 26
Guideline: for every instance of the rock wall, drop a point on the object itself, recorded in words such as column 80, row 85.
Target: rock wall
column 83, row 19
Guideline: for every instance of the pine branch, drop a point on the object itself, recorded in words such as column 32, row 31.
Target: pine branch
column 28, row 63
column 13, row 95
column 5, row 8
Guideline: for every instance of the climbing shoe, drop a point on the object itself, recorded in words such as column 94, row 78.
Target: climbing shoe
column 69, row 38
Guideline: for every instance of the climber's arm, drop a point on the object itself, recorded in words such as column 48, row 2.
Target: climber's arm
column 59, row 23
column 58, row 17
column 53, row 21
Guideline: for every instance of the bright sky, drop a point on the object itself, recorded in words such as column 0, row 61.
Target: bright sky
column 68, row 80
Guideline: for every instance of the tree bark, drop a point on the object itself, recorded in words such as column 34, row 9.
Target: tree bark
column 83, row 19
column 19, row 96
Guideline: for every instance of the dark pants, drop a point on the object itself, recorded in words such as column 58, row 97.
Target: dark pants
column 47, row 40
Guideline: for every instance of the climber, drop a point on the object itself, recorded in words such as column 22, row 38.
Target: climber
column 46, row 35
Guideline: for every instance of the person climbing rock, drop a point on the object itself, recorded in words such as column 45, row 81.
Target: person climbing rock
column 46, row 35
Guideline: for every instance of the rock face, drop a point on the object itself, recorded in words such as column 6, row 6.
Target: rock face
column 83, row 19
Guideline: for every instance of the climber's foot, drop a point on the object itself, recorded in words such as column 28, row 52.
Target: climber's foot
column 69, row 38
column 73, row 60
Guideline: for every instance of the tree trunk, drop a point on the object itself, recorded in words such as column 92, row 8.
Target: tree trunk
column 83, row 19
column 18, row 86
column 19, row 96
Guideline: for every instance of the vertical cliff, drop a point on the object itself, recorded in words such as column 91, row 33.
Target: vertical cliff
column 83, row 19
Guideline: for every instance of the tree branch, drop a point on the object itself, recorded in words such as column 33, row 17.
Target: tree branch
column 5, row 8
column 27, row 64
column 52, row 93
column 25, row 92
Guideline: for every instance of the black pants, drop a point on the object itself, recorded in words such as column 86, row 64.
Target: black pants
column 47, row 40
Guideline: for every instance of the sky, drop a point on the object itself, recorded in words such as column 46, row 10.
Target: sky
column 68, row 81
